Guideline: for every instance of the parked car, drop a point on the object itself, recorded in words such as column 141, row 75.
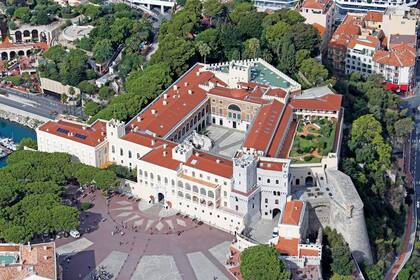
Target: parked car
column 74, row 233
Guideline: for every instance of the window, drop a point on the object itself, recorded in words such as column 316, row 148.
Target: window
column 140, row 172
column 236, row 208
column 113, row 149
column 158, row 178
column 276, row 201
column 166, row 181
column 173, row 182
column 277, row 182
column 202, row 191
column 225, row 193
column 266, row 200
column 195, row 189
column 151, row 175
column 211, row 194
column 187, row 187
column 138, row 156
column 129, row 154
column 145, row 174
column 268, row 181
column 121, row 152
column 193, row 174
column 180, row 185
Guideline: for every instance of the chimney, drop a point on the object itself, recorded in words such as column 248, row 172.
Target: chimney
column 190, row 92
column 48, row 129
column 165, row 146
column 84, row 127
column 185, row 84
column 165, row 96
column 45, row 247
column 153, row 142
column 164, row 153
column 153, row 112
column 99, row 140
column 45, row 257
column 139, row 119
column 198, row 73
column 217, row 160
column 197, row 154
column 175, row 87
column 165, row 102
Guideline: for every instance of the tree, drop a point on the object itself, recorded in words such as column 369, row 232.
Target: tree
column 212, row 8
column 23, row 13
column 262, row 262
column 252, row 48
column 287, row 60
column 302, row 55
column 55, row 53
column 342, row 261
column 314, row 72
column 274, row 36
column 27, row 142
column 85, row 43
column 105, row 93
column 203, row 49
column 91, row 108
column 105, row 179
column 150, row 82
column 87, row 87
column 177, row 52
column 73, row 67
column 102, row 51
column 404, row 127
column 91, row 11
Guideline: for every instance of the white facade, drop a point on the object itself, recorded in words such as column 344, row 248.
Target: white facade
column 367, row 5
column 394, row 74
column 359, row 59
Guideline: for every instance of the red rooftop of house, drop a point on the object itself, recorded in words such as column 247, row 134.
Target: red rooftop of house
column 292, row 212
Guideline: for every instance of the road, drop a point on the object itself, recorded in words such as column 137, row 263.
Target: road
column 410, row 227
column 45, row 106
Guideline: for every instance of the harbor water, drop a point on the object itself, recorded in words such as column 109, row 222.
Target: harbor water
column 16, row 132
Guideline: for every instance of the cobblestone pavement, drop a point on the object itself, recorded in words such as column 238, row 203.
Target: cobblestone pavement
column 131, row 243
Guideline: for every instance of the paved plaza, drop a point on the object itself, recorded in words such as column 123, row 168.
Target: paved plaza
column 135, row 240
column 226, row 140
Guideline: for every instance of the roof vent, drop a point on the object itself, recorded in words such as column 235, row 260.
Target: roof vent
column 153, row 111
column 197, row 154
column 218, row 160
column 139, row 119
column 164, row 153
column 175, row 87
column 48, row 129
column 45, row 257
column 153, row 142
column 165, row 96
column 165, row 102
column 198, row 73
column 99, row 140
column 185, row 84
column 84, row 127
column 45, row 247
column 165, row 146
column 190, row 92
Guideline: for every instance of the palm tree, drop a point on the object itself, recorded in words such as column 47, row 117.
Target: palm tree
column 203, row 49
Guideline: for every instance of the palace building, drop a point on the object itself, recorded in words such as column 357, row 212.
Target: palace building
column 227, row 143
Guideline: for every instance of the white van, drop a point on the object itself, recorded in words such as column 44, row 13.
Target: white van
column 74, row 233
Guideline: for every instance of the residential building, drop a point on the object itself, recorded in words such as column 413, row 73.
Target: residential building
column 319, row 13
column 360, row 6
column 20, row 262
column 264, row 5
column 219, row 144
column 378, row 42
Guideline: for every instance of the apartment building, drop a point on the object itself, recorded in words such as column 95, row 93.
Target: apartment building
column 363, row 6
column 378, row 42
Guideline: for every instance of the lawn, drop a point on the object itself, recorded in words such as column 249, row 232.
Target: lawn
column 313, row 140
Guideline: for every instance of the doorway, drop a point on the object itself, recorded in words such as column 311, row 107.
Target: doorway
column 161, row 197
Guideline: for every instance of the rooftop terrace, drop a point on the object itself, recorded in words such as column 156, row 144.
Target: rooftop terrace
column 262, row 75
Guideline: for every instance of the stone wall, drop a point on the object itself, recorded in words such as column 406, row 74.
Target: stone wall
column 29, row 121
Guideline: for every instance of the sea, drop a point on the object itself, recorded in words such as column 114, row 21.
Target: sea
column 16, row 132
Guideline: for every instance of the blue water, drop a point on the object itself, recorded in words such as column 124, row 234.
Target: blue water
column 16, row 132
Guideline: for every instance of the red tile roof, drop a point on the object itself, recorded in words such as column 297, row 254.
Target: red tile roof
column 280, row 132
column 307, row 252
column 210, row 163
column 315, row 4
column 162, row 156
column 253, row 95
column 328, row 102
column 271, row 165
column 374, row 16
column 288, row 247
column 260, row 134
column 170, row 108
column 92, row 135
column 144, row 139
column 401, row 56
column 292, row 212
column 321, row 29
column 36, row 259
column 369, row 41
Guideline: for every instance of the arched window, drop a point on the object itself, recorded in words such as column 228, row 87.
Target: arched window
column 145, row 174
column 166, row 181
column 203, row 191
column 140, row 172
column 113, row 149
column 195, row 189
column 151, row 175
column 121, row 152
column 138, row 156
column 158, row 178
column 180, row 184
column 234, row 107
column 173, row 182
column 187, row 187
column 180, row 194
column 211, row 194
column 129, row 154
column 188, row 196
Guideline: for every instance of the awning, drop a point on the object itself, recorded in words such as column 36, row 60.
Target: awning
column 404, row 87
column 391, row 86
